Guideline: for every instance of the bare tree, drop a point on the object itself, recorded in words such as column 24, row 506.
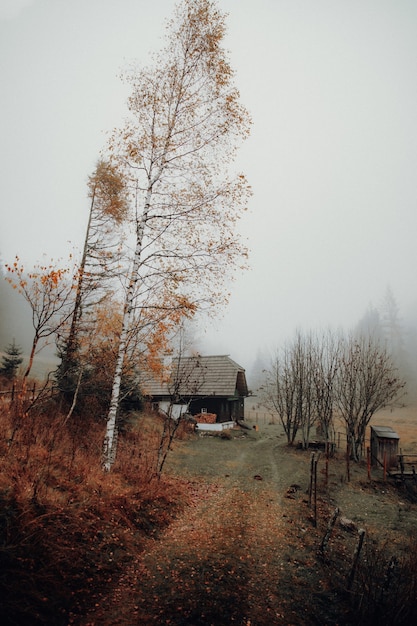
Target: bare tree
column 313, row 376
column 185, row 125
column 367, row 381
column 326, row 363
column 186, row 378
column 300, row 385
column 297, row 386
column 280, row 392
column 303, row 368
column 289, row 388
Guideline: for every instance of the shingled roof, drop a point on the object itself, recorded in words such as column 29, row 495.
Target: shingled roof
column 202, row 376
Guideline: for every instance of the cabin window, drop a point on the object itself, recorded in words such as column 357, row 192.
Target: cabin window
column 204, row 410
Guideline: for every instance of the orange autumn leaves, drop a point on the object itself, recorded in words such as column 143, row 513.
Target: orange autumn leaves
column 48, row 291
column 44, row 278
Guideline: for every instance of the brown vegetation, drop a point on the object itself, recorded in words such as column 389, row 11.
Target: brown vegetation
column 67, row 529
column 225, row 536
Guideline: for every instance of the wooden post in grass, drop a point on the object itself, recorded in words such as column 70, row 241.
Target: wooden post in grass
column 368, row 461
column 310, row 488
column 401, row 459
column 356, row 555
column 330, row 526
column 389, row 573
column 326, row 476
column 315, row 490
column 385, row 466
column 348, row 461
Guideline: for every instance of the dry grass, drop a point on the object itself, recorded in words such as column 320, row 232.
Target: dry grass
column 74, row 540
column 404, row 421
column 66, row 528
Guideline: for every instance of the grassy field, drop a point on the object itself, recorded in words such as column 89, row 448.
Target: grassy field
column 402, row 419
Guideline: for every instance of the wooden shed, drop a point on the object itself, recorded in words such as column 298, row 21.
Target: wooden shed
column 384, row 444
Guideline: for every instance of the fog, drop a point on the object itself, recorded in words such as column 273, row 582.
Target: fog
column 332, row 90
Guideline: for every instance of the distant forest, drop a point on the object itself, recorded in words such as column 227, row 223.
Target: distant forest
column 384, row 322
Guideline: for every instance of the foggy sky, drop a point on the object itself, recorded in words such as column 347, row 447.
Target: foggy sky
column 332, row 90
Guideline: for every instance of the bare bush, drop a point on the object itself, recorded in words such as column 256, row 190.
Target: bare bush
column 386, row 586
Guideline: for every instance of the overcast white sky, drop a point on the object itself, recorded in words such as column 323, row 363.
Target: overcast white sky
column 332, row 89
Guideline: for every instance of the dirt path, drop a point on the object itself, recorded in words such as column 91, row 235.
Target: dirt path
column 245, row 551
column 229, row 559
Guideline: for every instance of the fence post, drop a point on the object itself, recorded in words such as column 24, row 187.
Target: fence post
column 401, row 459
column 348, row 461
column 330, row 527
column 315, row 491
column 310, row 488
column 356, row 555
column 327, row 463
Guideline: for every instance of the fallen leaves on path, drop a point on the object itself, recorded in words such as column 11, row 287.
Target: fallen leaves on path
column 224, row 561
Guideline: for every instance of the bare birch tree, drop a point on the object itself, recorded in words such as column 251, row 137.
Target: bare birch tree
column 185, row 125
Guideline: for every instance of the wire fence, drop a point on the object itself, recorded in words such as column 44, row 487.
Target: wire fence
column 26, row 395
column 259, row 415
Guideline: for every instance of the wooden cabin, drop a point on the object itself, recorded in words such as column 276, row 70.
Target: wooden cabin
column 202, row 384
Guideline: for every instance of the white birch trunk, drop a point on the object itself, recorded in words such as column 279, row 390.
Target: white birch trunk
column 110, row 439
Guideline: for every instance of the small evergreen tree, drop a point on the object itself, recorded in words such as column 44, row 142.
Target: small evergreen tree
column 11, row 360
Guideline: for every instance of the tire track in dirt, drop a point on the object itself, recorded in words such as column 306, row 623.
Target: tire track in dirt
column 228, row 559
